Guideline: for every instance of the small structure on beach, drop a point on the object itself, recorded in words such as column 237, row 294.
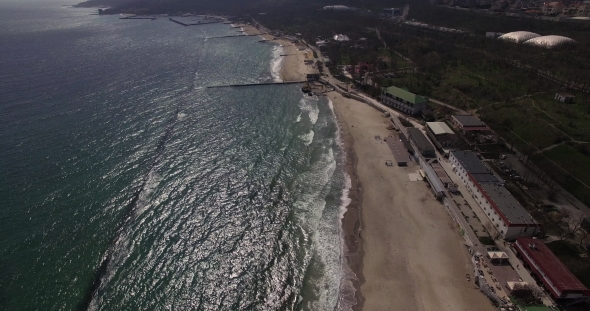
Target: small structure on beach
column 398, row 149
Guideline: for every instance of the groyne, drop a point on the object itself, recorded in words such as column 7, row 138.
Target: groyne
column 254, row 84
column 193, row 24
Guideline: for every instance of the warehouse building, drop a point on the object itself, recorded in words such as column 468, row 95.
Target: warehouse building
column 442, row 136
column 420, row 143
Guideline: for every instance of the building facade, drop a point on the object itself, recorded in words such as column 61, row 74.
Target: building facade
column 510, row 219
column 403, row 100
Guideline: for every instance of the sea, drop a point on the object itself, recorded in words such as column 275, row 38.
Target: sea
column 127, row 184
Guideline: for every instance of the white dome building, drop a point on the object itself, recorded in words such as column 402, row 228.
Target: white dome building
column 519, row 36
column 550, row 41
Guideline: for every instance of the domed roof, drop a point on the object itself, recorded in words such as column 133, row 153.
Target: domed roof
column 519, row 36
column 550, row 41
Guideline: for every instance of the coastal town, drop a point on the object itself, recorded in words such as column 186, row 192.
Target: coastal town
column 469, row 172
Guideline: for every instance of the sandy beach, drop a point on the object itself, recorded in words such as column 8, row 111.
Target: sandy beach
column 410, row 255
column 293, row 67
column 400, row 242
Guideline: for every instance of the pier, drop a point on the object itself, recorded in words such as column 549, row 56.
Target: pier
column 136, row 17
column 193, row 24
column 234, row 36
column 254, row 84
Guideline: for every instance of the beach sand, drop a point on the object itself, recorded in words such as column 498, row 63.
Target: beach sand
column 293, row 67
column 410, row 254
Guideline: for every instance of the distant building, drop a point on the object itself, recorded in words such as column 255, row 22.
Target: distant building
column 551, row 8
column 420, row 143
column 403, row 100
column 341, row 38
column 565, row 98
column 510, row 219
column 391, row 12
column 554, row 276
column 338, row 8
column 468, row 123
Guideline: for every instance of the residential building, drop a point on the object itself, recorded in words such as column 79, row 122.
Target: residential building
column 420, row 143
column 553, row 275
column 468, row 123
column 565, row 98
column 403, row 100
column 510, row 219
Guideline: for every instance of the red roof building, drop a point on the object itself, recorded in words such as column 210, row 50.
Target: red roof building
column 555, row 276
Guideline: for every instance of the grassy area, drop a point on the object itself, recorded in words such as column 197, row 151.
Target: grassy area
column 568, row 253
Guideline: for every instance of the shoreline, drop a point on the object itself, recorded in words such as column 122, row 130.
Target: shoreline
column 293, row 68
column 351, row 221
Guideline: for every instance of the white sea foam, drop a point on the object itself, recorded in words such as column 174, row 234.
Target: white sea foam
column 276, row 63
column 309, row 104
column 298, row 119
column 307, row 138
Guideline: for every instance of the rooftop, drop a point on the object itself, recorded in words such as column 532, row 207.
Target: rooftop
column 469, row 121
column 419, row 139
column 507, row 204
column 405, row 95
column 471, row 162
column 555, row 271
column 439, row 128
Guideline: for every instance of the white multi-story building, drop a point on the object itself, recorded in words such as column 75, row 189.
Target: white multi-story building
column 509, row 218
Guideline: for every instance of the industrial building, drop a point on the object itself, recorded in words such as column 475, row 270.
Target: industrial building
column 420, row 143
column 510, row 219
column 468, row 123
column 442, row 136
column 553, row 275
column 403, row 100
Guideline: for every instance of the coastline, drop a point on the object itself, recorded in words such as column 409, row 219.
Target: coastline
column 294, row 69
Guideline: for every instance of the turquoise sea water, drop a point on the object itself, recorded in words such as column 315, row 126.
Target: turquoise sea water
column 127, row 185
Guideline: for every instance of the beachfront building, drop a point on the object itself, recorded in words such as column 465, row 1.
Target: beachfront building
column 549, row 271
column 442, row 136
column 403, row 100
column 468, row 123
column 420, row 143
column 510, row 219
